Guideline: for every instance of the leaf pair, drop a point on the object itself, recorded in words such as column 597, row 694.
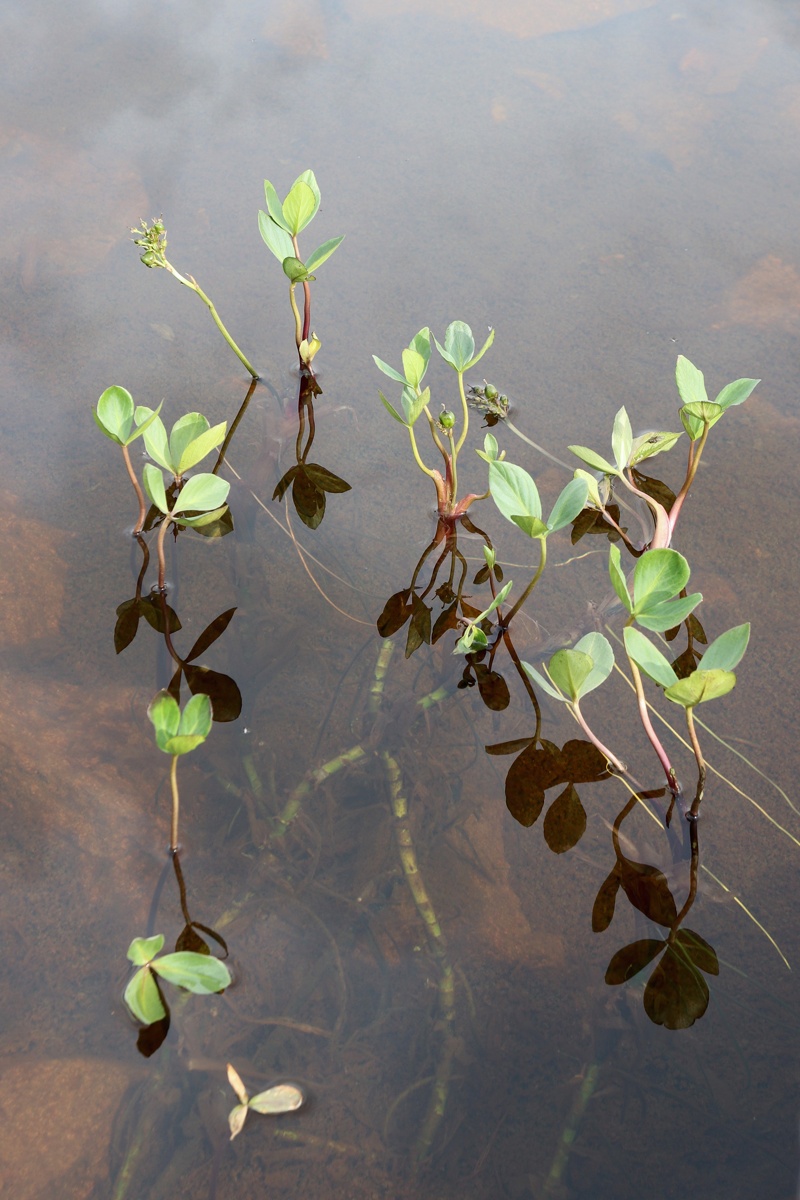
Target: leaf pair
column 573, row 673
column 517, row 497
column 191, row 439
column 200, row 501
column 697, row 408
column 180, row 732
column 658, row 577
column 283, row 1098
column 713, row 678
column 474, row 637
column 222, row 691
column 543, row 766
column 283, row 222
column 199, row 973
column 415, row 363
column 627, row 450
column 676, row 994
column 459, row 347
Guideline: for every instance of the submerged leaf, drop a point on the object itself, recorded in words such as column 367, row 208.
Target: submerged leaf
column 565, row 821
column 676, row 994
column 630, row 960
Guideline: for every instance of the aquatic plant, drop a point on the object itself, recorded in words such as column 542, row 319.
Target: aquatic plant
column 179, row 733
column 282, row 1098
column 115, row 415
column 202, row 974
column 191, row 439
column 459, row 352
column 152, row 241
column 280, row 227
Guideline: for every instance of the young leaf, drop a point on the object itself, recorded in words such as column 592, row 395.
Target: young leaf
column 323, row 252
column 618, row 577
column 648, row 658
column 196, row 717
column 202, row 493
column 235, row 1080
column 114, row 414
column 691, row 386
column 196, row 450
column 593, row 460
column 736, row 392
column 598, row 647
column 413, row 404
column 282, row 1098
column 387, row 370
column 668, row 613
column 477, row 357
column 726, row 652
column 568, row 505
column 622, row 439
column 309, row 178
column 513, row 491
column 647, row 445
column 201, row 974
column 154, row 486
column 459, row 345
column 421, row 343
column 299, row 207
column 275, row 236
column 413, row 367
column 392, row 412
column 203, row 520
column 544, row 684
column 275, row 207
column 183, row 433
column 295, row 270
column 490, row 450
column 569, row 670
column 592, row 490
column 156, row 442
column 695, row 416
column 532, row 526
column 142, row 950
column 700, row 686
column 142, row 998
column 659, row 575
column 236, row 1119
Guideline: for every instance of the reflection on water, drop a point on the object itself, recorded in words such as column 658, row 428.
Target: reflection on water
column 446, row 921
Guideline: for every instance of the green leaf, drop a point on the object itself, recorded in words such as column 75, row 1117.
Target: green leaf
column 593, row 460
column 154, row 486
column 694, row 417
column 391, row 411
column 726, row 652
column 647, row 445
column 199, row 973
column 142, row 998
column 532, row 526
column 413, row 404
column 592, row 490
column 659, row 575
column 201, row 493
column 114, row 414
column 569, row 670
column 308, row 177
column 196, row 450
column 299, row 207
column 477, row 357
column 204, row 519
column 598, row 647
column 275, row 236
column 622, row 439
column 691, row 386
column 156, row 442
column 701, row 685
column 490, row 448
column 648, row 658
column 513, row 491
column 413, row 367
column 285, row 1097
column 142, row 950
column 421, row 343
column 295, row 270
column 736, row 392
column 618, row 577
column 275, row 207
column 387, row 370
column 459, row 345
column 144, row 422
column 165, row 715
column 568, row 504
column 543, row 683
column 190, row 426
column 669, row 613
column 196, row 717
column 323, row 252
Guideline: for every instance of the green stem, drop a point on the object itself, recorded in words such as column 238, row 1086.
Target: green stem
column 453, row 469
column 176, row 803
column 695, row 454
column 617, row 763
column 310, row 781
column 162, row 565
column 531, row 585
column 701, row 765
column 192, row 283
column 464, row 412
column 298, row 324
column 554, row 1181
column 139, row 493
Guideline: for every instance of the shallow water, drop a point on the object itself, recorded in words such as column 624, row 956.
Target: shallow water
column 606, row 184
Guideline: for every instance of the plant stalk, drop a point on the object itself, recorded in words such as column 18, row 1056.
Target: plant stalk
column 176, row 804
column 139, row 526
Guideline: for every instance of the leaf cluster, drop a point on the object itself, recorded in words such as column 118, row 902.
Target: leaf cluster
column 201, row 974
